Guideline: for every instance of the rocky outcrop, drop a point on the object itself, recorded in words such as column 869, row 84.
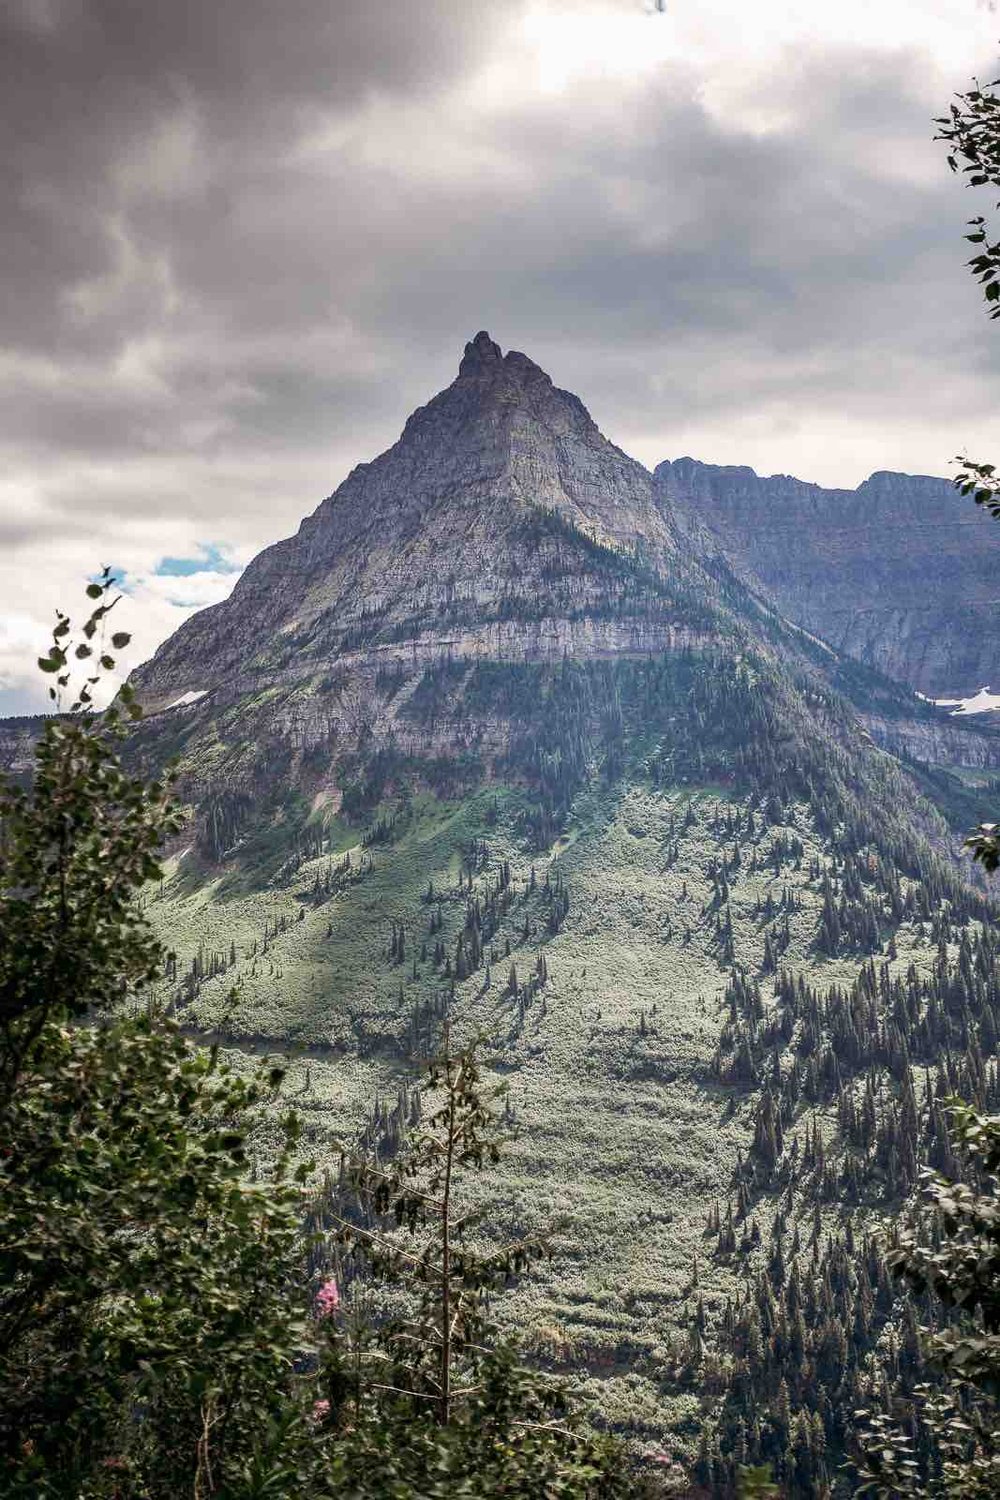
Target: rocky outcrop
column 17, row 744
column 503, row 527
column 900, row 573
column 938, row 741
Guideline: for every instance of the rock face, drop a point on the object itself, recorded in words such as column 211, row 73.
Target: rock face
column 488, row 529
column 900, row 573
column 491, row 527
column 17, row 744
column 937, row 742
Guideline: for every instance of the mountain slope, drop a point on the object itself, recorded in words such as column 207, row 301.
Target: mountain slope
column 503, row 600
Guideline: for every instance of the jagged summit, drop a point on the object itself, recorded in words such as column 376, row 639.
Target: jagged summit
column 481, row 354
column 484, row 360
column 491, row 393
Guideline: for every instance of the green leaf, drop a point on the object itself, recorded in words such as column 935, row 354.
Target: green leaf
column 94, row 591
column 120, row 640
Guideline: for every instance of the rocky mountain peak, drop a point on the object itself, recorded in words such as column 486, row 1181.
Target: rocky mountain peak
column 484, row 360
column 448, row 542
column 481, row 355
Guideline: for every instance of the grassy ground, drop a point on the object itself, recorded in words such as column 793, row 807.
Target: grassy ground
column 623, row 1139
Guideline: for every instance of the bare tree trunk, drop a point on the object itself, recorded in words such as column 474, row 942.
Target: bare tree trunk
column 445, row 1401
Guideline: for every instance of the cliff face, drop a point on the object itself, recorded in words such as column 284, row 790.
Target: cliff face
column 939, row 741
column 502, row 528
column 900, row 573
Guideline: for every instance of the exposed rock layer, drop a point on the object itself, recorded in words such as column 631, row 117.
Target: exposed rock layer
column 503, row 527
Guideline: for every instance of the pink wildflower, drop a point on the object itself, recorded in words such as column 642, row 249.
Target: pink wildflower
column 320, row 1410
column 327, row 1299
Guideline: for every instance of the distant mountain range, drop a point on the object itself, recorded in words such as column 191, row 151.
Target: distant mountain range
column 901, row 573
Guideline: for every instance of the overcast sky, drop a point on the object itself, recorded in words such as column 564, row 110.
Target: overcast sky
column 242, row 239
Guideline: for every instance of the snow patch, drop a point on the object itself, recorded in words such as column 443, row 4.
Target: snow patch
column 980, row 703
column 816, row 640
column 186, row 698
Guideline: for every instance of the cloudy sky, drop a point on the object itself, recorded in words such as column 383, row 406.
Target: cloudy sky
column 242, row 239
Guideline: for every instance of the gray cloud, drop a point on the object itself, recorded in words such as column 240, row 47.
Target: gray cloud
column 243, row 240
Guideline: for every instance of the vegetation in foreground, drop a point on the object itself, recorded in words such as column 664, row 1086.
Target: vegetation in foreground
column 177, row 1317
column 164, row 1325
column 181, row 1313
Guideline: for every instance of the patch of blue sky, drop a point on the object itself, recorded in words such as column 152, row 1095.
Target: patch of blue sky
column 120, row 575
column 211, row 559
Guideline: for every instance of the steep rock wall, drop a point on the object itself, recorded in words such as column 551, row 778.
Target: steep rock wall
column 900, row 573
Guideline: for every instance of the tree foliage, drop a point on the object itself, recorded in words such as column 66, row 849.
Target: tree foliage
column 155, row 1328
column 412, row 1249
column 75, row 848
column 944, row 1441
column 141, row 1272
column 146, row 1321
column 961, row 1264
column 431, row 1348
column 971, row 129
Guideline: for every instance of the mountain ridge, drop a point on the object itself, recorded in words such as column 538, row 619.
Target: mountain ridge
column 877, row 571
column 899, row 573
column 502, row 526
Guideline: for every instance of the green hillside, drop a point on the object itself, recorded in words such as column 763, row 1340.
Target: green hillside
column 623, row 906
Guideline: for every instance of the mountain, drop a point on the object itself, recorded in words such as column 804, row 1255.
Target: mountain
column 503, row 737
column 899, row 573
column 502, row 527
column 466, row 536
